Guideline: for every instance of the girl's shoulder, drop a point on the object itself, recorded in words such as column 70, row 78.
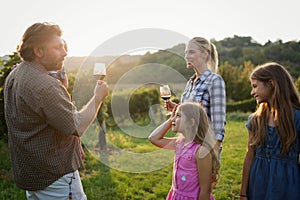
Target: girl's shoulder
column 297, row 116
column 248, row 123
column 202, row 152
column 297, row 113
column 297, row 119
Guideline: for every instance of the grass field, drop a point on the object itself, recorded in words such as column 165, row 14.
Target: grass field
column 100, row 181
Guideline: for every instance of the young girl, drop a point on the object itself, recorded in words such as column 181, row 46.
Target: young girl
column 271, row 169
column 195, row 164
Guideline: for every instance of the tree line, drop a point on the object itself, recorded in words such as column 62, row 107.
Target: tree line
column 238, row 56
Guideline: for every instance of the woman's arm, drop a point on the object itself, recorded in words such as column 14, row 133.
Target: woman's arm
column 217, row 93
column 204, row 166
column 157, row 136
column 246, row 169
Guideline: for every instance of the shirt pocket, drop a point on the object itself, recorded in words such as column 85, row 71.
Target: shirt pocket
column 198, row 96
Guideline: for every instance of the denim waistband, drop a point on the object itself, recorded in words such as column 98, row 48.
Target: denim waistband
column 270, row 157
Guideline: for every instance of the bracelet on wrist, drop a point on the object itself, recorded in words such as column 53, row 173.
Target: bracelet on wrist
column 243, row 195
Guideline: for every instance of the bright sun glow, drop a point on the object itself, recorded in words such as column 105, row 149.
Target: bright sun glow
column 88, row 24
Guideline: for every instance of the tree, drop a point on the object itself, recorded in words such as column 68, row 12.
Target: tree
column 7, row 67
column 101, row 116
column 243, row 83
column 230, row 76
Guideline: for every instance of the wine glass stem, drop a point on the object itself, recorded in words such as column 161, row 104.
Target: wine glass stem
column 166, row 104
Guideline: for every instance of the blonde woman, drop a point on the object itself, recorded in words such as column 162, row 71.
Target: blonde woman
column 206, row 86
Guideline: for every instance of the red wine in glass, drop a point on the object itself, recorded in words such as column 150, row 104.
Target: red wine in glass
column 166, row 98
column 165, row 94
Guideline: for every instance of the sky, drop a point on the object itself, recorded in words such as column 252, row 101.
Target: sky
column 88, row 24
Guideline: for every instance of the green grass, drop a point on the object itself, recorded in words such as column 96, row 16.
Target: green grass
column 234, row 149
column 101, row 181
column 8, row 190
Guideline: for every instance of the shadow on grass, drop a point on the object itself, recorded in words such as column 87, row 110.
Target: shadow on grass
column 96, row 177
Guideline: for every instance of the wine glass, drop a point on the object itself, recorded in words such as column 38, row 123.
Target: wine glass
column 99, row 71
column 165, row 94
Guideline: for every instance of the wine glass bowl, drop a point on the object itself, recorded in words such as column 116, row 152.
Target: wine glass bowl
column 165, row 94
column 99, row 71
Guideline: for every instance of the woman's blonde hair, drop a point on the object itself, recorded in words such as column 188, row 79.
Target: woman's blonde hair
column 212, row 60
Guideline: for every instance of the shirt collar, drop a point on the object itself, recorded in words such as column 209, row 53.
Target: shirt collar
column 202, row 76
column 36, row 66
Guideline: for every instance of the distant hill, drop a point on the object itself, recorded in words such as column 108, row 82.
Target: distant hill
column 6, row 57
column 235, row 51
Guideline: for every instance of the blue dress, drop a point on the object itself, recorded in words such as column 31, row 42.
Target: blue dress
column 273, row 177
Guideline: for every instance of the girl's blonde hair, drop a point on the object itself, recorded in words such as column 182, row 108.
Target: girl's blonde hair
column 204, row 135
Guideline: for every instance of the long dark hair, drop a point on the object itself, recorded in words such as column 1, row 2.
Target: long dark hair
column 284, row 100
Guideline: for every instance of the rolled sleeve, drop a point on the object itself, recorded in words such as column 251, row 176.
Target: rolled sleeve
column 218, row 107
column 60, row 112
